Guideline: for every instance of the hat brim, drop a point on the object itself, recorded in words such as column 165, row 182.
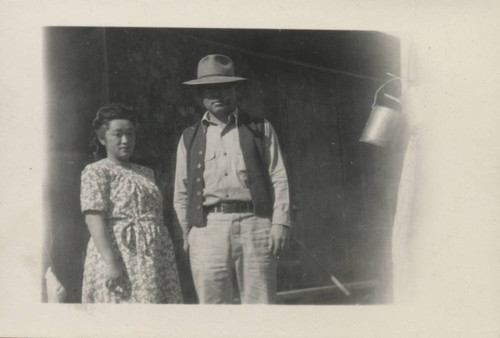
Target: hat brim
column 214, row 80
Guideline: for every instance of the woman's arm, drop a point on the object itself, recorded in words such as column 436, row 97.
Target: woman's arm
column 100, row 236
column 115, row 279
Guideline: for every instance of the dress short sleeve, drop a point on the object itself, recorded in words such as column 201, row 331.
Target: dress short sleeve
column 151, row 174
column 94, row 194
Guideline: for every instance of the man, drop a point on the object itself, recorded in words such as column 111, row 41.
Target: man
column 231, row 193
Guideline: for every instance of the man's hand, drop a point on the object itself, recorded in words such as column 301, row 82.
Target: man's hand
column 185, row 246
column 279, row 239
column 182, row 246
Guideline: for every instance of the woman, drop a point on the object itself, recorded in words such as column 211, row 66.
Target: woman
column 130, row 257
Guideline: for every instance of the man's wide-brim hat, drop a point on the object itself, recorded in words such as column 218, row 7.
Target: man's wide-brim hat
column 215, row 69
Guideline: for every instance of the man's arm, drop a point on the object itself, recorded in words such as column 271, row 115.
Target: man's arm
column 180, row 191
column 280, row 233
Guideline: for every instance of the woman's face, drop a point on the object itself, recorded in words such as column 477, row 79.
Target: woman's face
column 119, row 140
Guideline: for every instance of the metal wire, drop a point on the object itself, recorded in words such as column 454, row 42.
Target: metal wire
column 332, row 277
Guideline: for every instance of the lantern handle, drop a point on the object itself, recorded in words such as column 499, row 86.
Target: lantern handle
column 392, row 98
column 395, row 78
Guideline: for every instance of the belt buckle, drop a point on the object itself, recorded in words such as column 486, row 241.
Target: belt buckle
column 224, row 208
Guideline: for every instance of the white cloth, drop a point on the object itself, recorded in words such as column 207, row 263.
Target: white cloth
column 56, row 293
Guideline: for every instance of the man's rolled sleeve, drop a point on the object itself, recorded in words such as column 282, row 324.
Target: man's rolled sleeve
column 180, row 189
column 279, row 179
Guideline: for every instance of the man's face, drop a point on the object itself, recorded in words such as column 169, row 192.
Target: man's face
column 218, row 99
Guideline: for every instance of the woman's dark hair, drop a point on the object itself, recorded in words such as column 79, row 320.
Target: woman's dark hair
column 113, row 111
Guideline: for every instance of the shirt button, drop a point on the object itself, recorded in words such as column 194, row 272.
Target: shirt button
column 225, row 154
column 198, row 193
column 198, row 207
column 201, row 152
column 227, row 196
column 199, row 165
column 198, row 179
column 225, row 174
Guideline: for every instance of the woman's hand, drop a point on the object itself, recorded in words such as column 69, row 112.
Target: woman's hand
column 116, row 280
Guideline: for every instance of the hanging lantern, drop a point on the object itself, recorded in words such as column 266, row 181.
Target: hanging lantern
column 383, row 122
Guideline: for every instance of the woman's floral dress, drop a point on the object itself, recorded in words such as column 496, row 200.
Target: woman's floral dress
column 132, row 206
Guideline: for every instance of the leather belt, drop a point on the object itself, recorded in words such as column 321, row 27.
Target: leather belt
column 230, row 207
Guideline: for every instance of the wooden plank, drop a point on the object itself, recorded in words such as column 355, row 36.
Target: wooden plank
column 324, row 290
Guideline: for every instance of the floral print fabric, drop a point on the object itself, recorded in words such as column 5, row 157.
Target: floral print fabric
column 132, row 206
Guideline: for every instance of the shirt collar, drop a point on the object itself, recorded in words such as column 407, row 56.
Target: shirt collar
column 205, row 120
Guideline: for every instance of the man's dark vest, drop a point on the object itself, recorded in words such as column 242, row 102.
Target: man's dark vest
column 251, row 134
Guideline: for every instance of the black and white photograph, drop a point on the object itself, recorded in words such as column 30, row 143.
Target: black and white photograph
column 190, row 175
column 329, row 191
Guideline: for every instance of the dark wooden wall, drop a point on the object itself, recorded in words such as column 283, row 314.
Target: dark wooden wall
column 343, row 193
